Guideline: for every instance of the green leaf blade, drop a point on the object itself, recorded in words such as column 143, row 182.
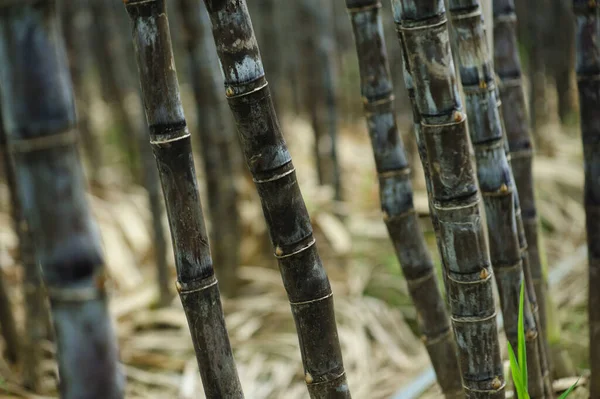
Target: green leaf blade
column 522, row 352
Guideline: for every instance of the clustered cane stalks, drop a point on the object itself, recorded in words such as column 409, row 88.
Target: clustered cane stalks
column 397, row 197
column 287, row 219
column 172, row 147
column 587, row 22
column 424, row 37
column 39, row 118
column 494, row 175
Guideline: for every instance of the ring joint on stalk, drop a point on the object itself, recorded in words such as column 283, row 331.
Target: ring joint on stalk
column 472, row 319
column 417, row 282
column 323, row 298
column 428, row 23
column 196, row 285
column 78, row 294
column 430, row 341
column 295, row 249
column 465, row 13
column 244, row 89
column 484, row 274
column 40, row 143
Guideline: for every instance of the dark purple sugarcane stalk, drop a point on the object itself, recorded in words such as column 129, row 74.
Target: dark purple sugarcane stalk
column 171, row 143
column 39, row 119
column 423, row 33
column 495, row 178
column 396, row 194
column 587, row 35
column 270, row 163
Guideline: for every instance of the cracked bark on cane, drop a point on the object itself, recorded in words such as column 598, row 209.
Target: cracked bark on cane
column 217, row 141
column 287, row 219
column 172, row 147
column 423, row 31
column 396, row 194
column 36, row 311
column 495, row 178
column 39, row 117
column 587, row 20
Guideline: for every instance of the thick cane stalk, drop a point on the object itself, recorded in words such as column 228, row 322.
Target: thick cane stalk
column 39, row 118
column 495, row 177
column 396, row 194
column 587, row 20
column 172, row 147
column 288, row 221
column 424, row 35
column 217, row 141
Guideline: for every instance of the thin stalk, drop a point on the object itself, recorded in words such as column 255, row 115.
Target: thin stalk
column 37, row 316
column 518, row 135
column 39, row 118
column 587, row 35
column 396, row 196
column 319, row 95
column 424, row 36
column 216, row 139
column 128, row 99
column 495, row 178
column 76, row 20
column 172, row 147
column 270, row 163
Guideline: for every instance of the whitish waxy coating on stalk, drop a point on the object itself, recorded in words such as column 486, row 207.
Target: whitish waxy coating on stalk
column 396, row 194
column 38, row 109
column 266, row 154
column 423, row 34
column 171, row 143
column 587, row 23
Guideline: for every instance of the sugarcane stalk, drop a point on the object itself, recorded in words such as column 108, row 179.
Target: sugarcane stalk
column 396, row 194
column 39, row 118
column 36, row 312
column 508, row 69
column 171, row 143
column 288, row 222
column 216, row 141
column 587, row 38
column 319, row 95
column 423, row 31
column 495, row 178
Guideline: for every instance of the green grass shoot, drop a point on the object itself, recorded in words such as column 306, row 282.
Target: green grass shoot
column 518, row 362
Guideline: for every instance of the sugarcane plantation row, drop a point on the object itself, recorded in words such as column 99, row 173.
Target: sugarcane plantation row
column 436, row 236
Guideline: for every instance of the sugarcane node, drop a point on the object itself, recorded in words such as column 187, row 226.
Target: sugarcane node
column 458, row 116
column 308, row 378
column 496, row 383
column 178, row 286
column 278, row 251
column 503, row 188
column 482, row 84
column 229, row 91
column 531, row 335
column 484, row 274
